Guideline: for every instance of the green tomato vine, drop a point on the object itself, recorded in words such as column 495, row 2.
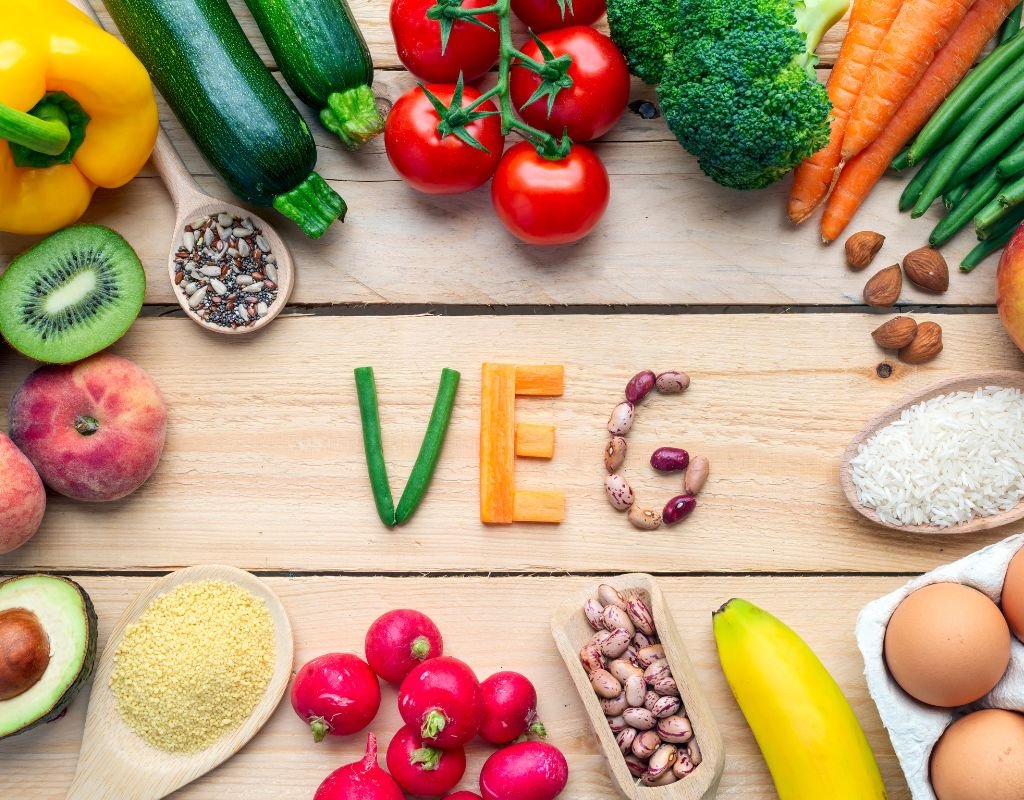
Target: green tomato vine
column 554, row 74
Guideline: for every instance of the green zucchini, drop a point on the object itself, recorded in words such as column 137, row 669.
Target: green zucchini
column 226, row 99
column 324, row 58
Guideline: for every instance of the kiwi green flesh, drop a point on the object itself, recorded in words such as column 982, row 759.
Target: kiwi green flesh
column 72, row 295
column 69, row 619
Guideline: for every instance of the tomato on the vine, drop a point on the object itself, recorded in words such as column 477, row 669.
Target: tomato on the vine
column 546, row 15
column 591, row 106
column 543, row 201
column 437, row 164
column 471, row 49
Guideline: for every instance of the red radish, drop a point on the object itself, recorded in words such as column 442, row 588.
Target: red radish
column 421, row 770
column 464, row 796
column 524, row 771
column 361, row 780
column 400, row 641
column 510, row 708
column 441, row 699
column 336, row 694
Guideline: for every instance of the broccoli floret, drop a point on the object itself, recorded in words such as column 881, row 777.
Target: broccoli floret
column 646, row 32
column 740, row 91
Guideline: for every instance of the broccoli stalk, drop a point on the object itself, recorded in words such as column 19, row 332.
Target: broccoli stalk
column 739, row 90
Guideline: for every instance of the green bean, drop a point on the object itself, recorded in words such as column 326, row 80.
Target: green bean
column 1011, row 25
column 902, row 161
column 1007, row 224
column 980, row 194
column 1011, row 195
column 430, row 450
column 966, row 142
column 1002, row 141
column 369, row 412
column 912, row 191
column 982, row 251
column 1011, row 165
column 986, row 82
column 953, row 197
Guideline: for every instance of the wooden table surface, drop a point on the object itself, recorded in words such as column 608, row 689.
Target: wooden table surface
column 264, row 467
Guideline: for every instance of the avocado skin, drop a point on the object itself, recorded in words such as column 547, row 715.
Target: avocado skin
column 88, row 664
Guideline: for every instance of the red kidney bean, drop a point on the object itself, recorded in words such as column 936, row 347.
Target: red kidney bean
column 640, row 385
column 678, row 508
column 670, row 459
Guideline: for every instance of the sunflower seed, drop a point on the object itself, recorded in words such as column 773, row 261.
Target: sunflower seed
column 241, row 233
column 225, row 220
column 271, row 271
column 211, row 272
column 243, row 248
column 191, row 288
column 189, row 240
column 218, row 287
column 244, row 280
column 262, row 309
column 242, row 313
column 254, row 287
column 208, row 236
column 197, row 299
column 262, row 243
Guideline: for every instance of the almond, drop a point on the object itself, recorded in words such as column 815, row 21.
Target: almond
column 861, row 248
column 926, row 268
column 883, row 290
column 896, row 333
column 927, row 344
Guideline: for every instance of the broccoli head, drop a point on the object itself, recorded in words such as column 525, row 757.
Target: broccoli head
column 740, row 92
column 646, row 32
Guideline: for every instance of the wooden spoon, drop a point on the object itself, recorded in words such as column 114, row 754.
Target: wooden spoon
column 191, row 203
column 115, row 762
column 969, row 382
column 571, row 631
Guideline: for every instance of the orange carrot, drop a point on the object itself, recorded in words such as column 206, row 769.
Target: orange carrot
column 920, row 30
column 947, row 70
column 870, row 21
column 535, row 441
column 540, row 381
column 497, row 443
column 539, row 507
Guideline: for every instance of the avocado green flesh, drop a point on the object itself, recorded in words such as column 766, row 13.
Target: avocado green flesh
column 66, row 614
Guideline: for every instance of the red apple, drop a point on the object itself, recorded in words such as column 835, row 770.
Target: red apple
column 1010, row 288
column 94, row 430
column 22, row 497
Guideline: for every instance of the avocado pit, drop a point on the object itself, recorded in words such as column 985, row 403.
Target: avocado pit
column 24, row 652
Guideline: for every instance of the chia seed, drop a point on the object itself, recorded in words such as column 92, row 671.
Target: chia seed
column 225, row 271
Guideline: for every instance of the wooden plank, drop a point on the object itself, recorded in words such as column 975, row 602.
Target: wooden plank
column 331, row 614
column 372, row 16
column 264, row 465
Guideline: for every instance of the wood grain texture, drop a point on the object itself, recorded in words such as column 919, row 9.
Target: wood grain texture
column 264, row 466
column 968, row 382
column 372, row 16
column 114, row 760
column 474, row 614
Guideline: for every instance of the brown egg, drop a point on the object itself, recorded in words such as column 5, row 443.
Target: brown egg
column 981, row 757
column 947, row 645
column 1013, row 595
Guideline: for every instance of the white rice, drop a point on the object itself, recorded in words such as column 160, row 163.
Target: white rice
column 946, row 461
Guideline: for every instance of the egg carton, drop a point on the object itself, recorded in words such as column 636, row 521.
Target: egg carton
column 914, row 728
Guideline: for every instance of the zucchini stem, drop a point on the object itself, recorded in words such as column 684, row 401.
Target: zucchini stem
column 353, row 116
column 312, row 205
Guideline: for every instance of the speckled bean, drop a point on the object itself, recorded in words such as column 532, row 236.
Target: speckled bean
column 635, row 690
column 676, row 730
column 678, row 508
column 625, row 740
column 591, row 658
column 693, row 751
column 614, row 454
column 662, row 761
column 592, row 610
column 635, row 766
column 608, row 595
column 646, row 745
column 621, row 420
column 605, row 684
column 641, row 614
column 665, row 706
column 644, row 519
column 648, row 655
column 615, row 618
column 696, row 475
column 619, row 492
column 666, row 686
column 614, row 706
column 670, row 459
column 684, row 766
column 616, row 644
column 640, row 718
column 623, row 669
column 640, row 385
column 672, row 382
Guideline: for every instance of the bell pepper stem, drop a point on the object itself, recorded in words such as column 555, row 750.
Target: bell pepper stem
column 45, row 132
column 352, row 116
column 313, row 205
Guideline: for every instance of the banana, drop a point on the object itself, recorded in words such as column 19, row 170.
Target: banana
column 807, row 732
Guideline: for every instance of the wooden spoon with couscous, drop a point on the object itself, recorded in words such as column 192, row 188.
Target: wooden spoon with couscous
column 194, row 668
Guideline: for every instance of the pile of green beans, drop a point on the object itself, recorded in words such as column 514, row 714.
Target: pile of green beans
column 971, row 152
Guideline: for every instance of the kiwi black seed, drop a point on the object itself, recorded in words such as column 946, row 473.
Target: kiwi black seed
column 72, row 295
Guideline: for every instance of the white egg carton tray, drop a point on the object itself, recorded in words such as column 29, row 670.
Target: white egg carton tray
column 914, row 728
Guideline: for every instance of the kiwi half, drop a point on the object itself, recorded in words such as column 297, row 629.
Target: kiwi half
column 72, row 295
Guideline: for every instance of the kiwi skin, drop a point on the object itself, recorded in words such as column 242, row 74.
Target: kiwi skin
column 75, row 293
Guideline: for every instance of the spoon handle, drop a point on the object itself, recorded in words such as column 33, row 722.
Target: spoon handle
column 172, row 169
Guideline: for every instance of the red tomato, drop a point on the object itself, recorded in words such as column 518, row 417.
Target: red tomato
column 471, row 50
column 433, row 164
column 545, row 15
column 550, row 202
column 599, row 92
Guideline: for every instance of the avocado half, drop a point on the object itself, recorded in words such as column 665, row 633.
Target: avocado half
column 66, row 615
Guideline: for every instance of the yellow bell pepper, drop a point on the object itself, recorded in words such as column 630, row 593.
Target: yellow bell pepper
column 76, row 112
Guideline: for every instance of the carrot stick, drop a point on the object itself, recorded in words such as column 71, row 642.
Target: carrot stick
column 870, row 21
column 535, row 441
column 947, row 69
column 920, row 31
column 540, row 381
column 539, row 507
column 497, row 443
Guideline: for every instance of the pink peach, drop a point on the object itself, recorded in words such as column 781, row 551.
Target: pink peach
column 1010, row 288
column 22, row 497
column 94, row 430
